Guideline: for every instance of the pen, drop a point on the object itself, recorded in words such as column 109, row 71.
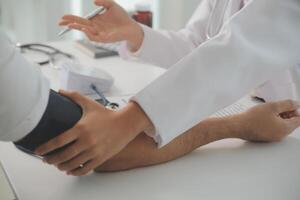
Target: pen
column 105, row 101
column 89, row 16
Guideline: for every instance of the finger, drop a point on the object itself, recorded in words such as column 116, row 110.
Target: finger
column 80, row 27
column 64, row 22
column 285, row 106
column 98, row 22
column 292, row 114
column 67, row 154
column 58, row 142
column 105, row 3
column 77, row 97
column 295, row 113
column 88, row 167
column 101, row 31
column 78, row 20
column 77, row 161
column 91, row 36
column 293, row 122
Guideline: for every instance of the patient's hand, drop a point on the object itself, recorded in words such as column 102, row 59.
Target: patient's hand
column 265, row 123
column 270, row 122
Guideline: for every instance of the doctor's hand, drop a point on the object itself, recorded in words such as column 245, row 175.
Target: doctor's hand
column 114, row 25
column 269, row 122
column 98, row 136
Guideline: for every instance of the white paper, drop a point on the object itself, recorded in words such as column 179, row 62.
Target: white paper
column 75, row 77
column 236, row 108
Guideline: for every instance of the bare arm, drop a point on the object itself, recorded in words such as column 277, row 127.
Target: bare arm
column 144, row 152
column 261, row 123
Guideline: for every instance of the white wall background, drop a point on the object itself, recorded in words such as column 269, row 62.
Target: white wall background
column 174, row 14
column 33, row 20
column 36, row 20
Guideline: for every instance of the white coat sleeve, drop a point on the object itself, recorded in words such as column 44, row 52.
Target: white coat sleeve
column 258, row 42
column 165, row 48
column 23, row 93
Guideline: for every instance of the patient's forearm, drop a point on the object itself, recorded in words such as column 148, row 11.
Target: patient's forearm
column 144, row 152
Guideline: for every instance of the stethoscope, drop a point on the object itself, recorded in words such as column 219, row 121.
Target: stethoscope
column 48, row 51
column 105, row 102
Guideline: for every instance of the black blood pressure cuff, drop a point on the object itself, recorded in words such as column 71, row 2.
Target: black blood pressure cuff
column 61, row 114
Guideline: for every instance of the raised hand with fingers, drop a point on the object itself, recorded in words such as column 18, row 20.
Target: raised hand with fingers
column 113, row 25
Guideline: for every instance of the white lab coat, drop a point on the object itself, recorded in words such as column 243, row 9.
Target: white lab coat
column 215, row 60
column 23, row 93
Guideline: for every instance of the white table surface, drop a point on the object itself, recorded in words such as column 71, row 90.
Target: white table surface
column 228, row 169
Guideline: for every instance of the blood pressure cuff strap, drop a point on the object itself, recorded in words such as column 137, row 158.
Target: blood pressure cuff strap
column 61, row 114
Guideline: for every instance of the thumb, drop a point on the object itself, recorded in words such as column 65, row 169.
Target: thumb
column 105, row 3
column 286, row 106
column 76, row 97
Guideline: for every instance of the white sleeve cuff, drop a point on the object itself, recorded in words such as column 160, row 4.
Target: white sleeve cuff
column 154, row 132
column 148, row 52
column 125, row 53
column 156, row 137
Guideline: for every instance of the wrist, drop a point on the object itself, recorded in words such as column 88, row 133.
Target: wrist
column 244, row 127
column 237, row 126
column 224, row 128
column 133, row 119
column 135, row 38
